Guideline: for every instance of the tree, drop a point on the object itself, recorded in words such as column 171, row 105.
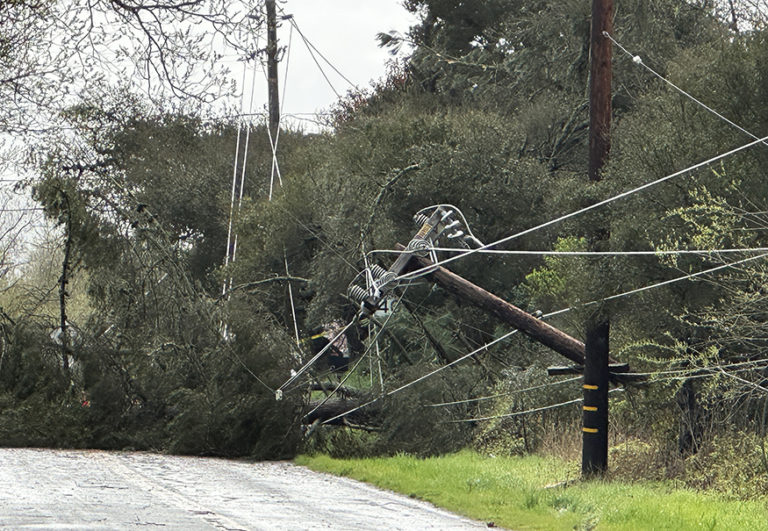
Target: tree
column 49, row 47
column 156, row 369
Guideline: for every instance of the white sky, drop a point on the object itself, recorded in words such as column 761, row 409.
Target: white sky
column 344, row 31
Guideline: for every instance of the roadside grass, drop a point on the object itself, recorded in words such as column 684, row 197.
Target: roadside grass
column 512, row 493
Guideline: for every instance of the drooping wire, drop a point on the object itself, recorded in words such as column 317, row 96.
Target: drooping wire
column 316, row 357
column 221, row 331
column 245, row 163
column 317, row 63
column 313, row 47
column 545, row 316
column 528, row 411
column 745, row 381
column 704, row 372
column 275, row 163
column 639, row 61
column 234, row 184
column 361, row 358
column 575, row 213
column 673, row 374
column 660, row 252
column 290, row 298
column 316, row 235
column 369, row 284
column 506, row 393
column 422, row 378
column 684, row 277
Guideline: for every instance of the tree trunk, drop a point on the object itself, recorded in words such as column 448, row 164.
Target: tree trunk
column 689, row 438
column 63, row 294
column 365, row 418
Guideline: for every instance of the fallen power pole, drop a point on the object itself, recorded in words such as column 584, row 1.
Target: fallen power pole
column 413, row 259
column 544, row 333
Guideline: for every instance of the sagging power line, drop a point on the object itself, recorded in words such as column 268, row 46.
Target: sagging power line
column 591, row 207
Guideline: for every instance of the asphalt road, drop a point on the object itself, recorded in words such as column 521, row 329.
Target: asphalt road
column 68, row 489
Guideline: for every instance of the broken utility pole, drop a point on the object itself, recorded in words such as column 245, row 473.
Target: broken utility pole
column 594, row 457
column 544, row 333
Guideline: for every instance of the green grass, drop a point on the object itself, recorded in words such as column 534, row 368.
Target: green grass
column 511, row 493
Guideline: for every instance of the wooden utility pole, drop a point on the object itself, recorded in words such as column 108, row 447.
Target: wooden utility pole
column 273, row 94
column 532, row 326
column 594, row 457
column 600, row 77
column 594, row 451
column 544, row 333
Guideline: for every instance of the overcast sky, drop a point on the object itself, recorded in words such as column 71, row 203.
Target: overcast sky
column 344, row 31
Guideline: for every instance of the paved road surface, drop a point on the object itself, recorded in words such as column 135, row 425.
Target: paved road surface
column 51, row 489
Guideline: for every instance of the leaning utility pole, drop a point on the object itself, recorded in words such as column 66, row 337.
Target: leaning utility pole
column 273, row 95
column 465, row 291
column 594, row 457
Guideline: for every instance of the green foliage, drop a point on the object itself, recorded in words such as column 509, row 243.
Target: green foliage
column 540, row 493
column 490, row 114
column 507, row 434
column 557, row 282
column 146, row 220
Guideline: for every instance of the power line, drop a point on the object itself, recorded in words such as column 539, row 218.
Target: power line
column 360, row 359
column 249, row 371
column 686, row 277
column 519, row 413
column 309, row 44
column 422, row 378
column 696, row 374
column 639, row 61
column 317, row 63
column 656, row 285
column 245, row 162
column 507, row 393
column 671, row 252
column 747, row 382
column 528, row 411
column 316, row 235
column 604, row 202
column 234, row 185
column 263, row 113
column 234, row 211
column 545, row 316
column 737, row 366
column 314, row 358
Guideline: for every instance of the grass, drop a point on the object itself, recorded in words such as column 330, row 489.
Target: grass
column 512, row 493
